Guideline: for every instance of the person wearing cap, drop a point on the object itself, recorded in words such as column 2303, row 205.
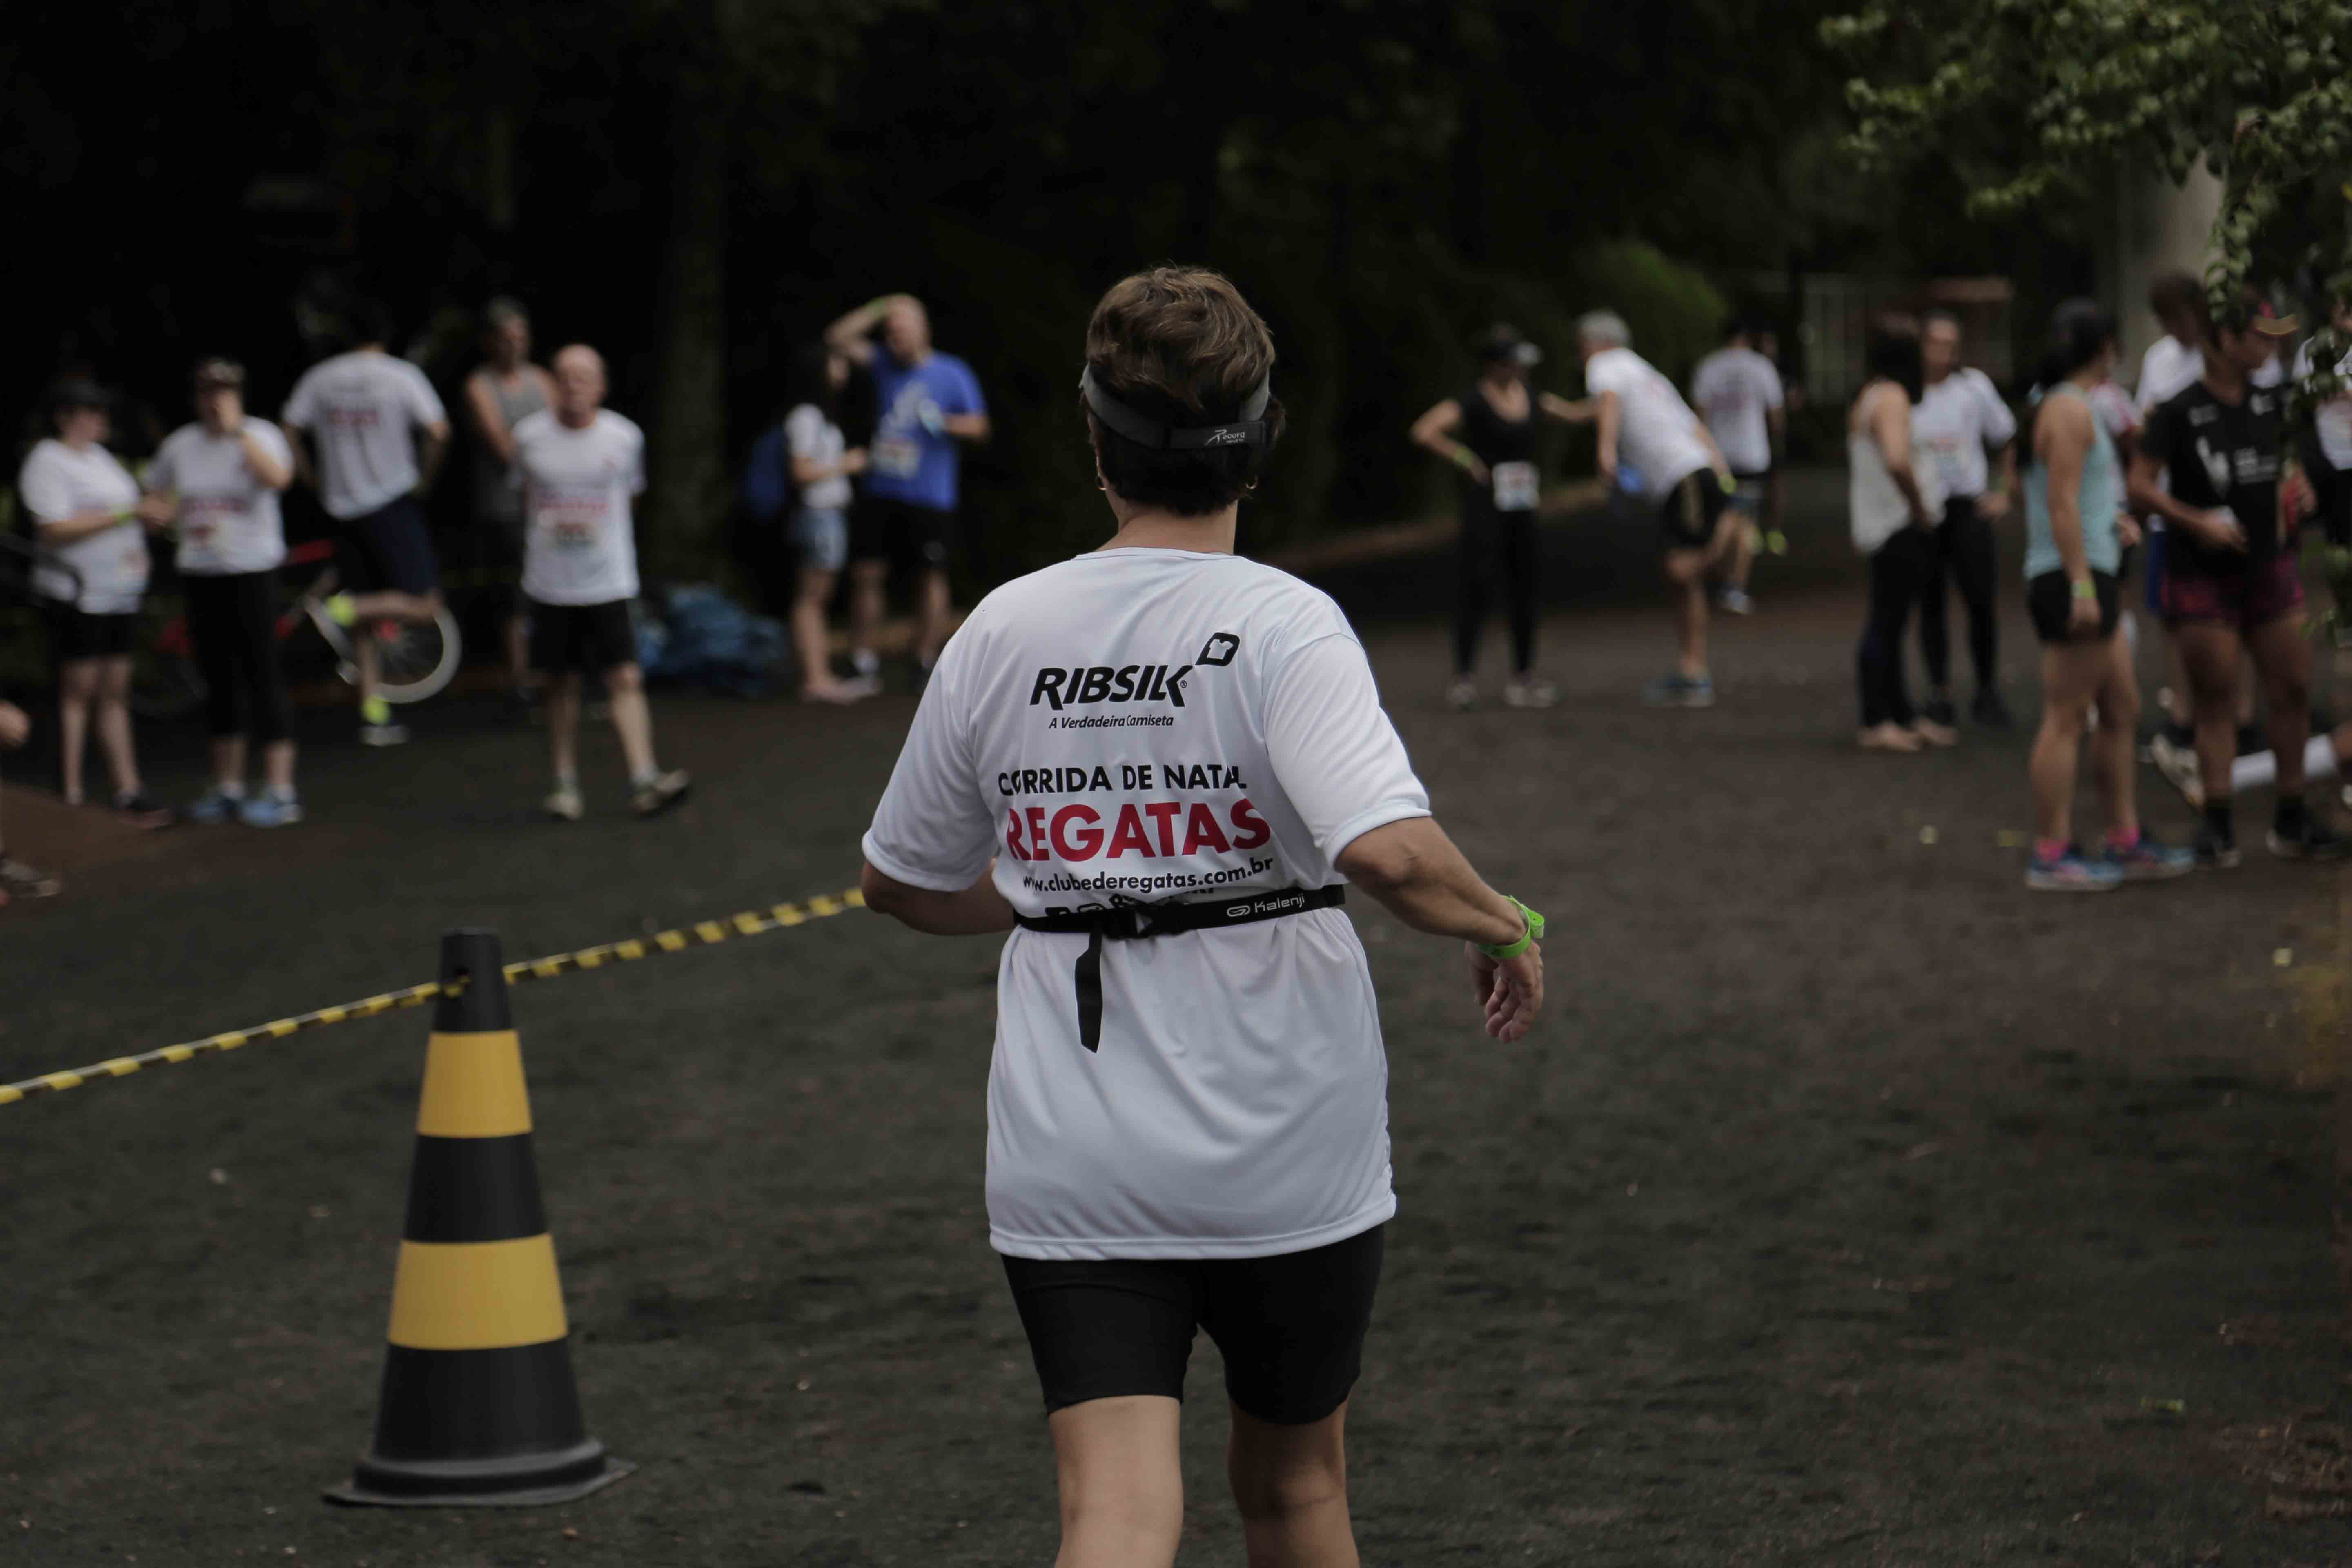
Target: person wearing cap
column 928, row 406
column 1645, row 423
column 87, row 514
column 505, row 389
column 1159, row 766
column 222, row 476
column 2208, row 464
column 1489, row 434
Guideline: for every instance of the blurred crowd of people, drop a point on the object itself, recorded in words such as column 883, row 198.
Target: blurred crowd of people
column 861, row 472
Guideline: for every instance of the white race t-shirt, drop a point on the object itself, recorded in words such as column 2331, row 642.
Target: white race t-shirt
column 1144, row 726
column 1736, row 389
column 1657, row 431
column 579, row 545
column 1955, row 419
column 2332, row 421
column 59, row 482
column 363, row 408
column 810, row 436
column 229, row 518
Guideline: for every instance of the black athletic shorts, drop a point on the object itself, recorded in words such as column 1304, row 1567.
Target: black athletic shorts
column 591, row 637
column 74, row 635
column 1291, row 1328
column 2049, row 599
column 901, row 532
column 1691, row 510
column 389, row 548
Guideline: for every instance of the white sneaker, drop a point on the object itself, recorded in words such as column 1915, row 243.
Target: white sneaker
column 1736, row 602
column 565, row 805
column 383, row 735
column 1463, row 695
column 1523, row 692
column 661, row 791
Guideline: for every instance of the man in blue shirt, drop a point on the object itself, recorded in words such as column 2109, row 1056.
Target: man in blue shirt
column 928, row 404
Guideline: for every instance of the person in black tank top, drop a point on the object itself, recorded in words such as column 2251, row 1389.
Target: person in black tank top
column 1490, row 434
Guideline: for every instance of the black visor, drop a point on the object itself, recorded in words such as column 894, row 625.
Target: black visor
column 1247, row 430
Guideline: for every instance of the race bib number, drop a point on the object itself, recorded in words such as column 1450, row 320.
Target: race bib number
column 1515, row 487
column 897, row 456
column 571, row 524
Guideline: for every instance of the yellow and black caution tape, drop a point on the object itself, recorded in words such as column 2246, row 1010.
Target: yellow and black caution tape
column 776, row 917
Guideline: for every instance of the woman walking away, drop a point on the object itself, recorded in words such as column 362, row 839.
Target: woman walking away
column 1489, row 433
column 821, row 465
column 1896, row 499
column 222, row 476
column 2075, row 532
column 87, row 511
column 1187, row 1110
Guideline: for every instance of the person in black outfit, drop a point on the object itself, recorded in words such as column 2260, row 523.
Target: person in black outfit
column 1489, row 433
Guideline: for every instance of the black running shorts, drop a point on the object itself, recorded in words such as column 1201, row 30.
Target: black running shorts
column 909, row 536
column 1291, row 1328
column 1690, row 510
column 389, row 548
column 74, row 635
column 591, row 637
column 2049, row 599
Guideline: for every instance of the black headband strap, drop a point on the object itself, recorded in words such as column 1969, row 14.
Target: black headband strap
column 1248, row 430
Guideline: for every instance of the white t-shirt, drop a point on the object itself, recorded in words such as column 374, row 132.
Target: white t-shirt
column 229, row 518
column 1657, row 431
column 59, row 482
column 580, row 544
column 1145, row 726
column 811, row 438
column 1736, row 389
column 363, row 408
column 1955, row 419
column 2332, row 421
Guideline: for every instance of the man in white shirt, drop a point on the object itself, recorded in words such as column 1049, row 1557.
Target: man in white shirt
column 1960, row 417
column 1738, row 392
column 1162, row 763
column 1644, row 422
column 581, row 463
column 378, row 432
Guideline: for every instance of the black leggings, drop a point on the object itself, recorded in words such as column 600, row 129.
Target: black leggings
column 1901, row 574
column 1496, row 544
column 1964, row 553
column 233, row 621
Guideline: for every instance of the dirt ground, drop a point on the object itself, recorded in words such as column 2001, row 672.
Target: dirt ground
column 1853, row 1206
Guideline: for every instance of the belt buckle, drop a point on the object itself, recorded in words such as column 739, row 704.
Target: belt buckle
column 1130, row 922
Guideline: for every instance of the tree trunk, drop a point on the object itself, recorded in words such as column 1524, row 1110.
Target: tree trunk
column 686, row 498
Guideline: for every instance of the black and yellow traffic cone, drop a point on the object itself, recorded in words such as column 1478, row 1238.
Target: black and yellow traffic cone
column 479, row 1405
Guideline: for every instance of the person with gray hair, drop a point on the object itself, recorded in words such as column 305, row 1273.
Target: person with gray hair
column 1645, row 421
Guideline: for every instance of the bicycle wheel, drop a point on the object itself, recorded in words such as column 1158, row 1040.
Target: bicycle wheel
column 415, row 659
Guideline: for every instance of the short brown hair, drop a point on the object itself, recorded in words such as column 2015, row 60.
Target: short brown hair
column 1180, row 345
column 2176, row 293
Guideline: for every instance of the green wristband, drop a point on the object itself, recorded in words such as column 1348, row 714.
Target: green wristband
column 1528, row 938
column 2085, row 589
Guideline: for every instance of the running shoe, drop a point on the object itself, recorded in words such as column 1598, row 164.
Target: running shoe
column 1990, row 711
column 2072, row 872
column 2216, row 851
column 564, row 803
column 144, row 811
column 2176, row 765
column 1680, row 690
column 1463, row 695
column 1938, row 709
column 2152, row 859
column 1935, row 733
column 1735, row 602
column 18, row 880
column 383, row 735
column 2311, row 839
column 214, row 807
column 660, row 793
column 269, row 810
column 1523, row 692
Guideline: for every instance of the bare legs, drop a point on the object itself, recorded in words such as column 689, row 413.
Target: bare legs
column 384, row 605
column 1123, row 1488
column 810, row 594
column 2076, row 677
column 95, row 693
column 633, row 720
column 868, row 579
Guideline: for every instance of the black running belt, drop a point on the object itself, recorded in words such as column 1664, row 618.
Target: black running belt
column 1134, row 922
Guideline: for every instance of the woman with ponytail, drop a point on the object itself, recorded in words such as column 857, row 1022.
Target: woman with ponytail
column 2075, row 533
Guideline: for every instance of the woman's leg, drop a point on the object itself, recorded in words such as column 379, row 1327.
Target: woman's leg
column 1519, row 584
column 2071, row 675
column 214, row 630
column 2113, row 749
column 113, row 722
column 1471, row 564
column 271, row 725
column 2209, row 655
column 1896, row 571
column 1291, row 1485
column 78, row 681
column 1975, row 569
column 1935, row 628
column 811, row 595
column 1122, row 1482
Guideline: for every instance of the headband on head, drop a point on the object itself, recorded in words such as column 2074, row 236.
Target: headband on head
column 1248, row 430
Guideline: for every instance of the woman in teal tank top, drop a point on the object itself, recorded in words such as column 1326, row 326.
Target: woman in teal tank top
column 2075, row 531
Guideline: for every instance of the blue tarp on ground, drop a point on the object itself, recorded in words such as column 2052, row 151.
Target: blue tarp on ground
column 693, row 633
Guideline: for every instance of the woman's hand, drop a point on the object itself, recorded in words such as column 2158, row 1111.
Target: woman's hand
column 1510, row 990
column 157, row 511
column 2083, row 608
column 2220, row 529
column 855, row 461
column 2127, row 530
